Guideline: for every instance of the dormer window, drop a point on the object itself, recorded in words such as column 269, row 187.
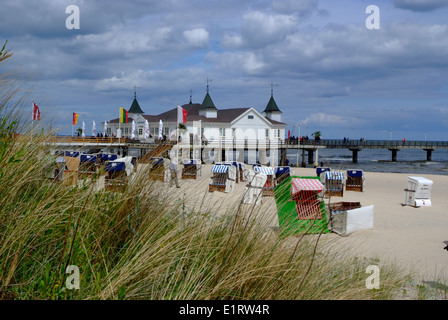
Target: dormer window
column 250, row 117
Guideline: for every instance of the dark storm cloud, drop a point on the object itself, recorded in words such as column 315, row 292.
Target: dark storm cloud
column 420, row 5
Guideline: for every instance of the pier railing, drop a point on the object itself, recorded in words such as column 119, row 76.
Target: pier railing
column 378, row 144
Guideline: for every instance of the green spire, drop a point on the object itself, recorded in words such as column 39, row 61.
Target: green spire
column 272, row 106
column 208, row 102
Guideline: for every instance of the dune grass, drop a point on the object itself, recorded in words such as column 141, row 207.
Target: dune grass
column 144, row 244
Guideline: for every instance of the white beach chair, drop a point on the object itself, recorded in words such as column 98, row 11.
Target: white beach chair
column 253, row 193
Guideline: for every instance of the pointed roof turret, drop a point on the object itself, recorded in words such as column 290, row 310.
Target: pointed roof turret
column 208, row 102
column 135, row 107
column 271, row 106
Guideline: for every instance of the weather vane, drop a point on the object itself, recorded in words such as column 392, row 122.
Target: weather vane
column 272, row 84
column 208, row 80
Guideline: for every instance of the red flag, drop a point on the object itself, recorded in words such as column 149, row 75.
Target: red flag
column 289, row 134
column 36, row 112
column 181, row 115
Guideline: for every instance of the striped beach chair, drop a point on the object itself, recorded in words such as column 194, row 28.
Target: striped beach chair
column 223, row 178
column 334, row 183
column 307, row 193
column 268, row 188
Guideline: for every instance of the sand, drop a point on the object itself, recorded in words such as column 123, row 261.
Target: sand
column 410, row 237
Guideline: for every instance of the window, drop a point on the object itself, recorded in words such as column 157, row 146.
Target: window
column 140, row 131
column 222, row 132
column 277, row 133
column 266, row 134
column 167, row 131
column 109, row 131
column 250, row 117
column 126, row 130
column 233, row 133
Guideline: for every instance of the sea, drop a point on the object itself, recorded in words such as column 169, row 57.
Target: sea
column 410, row 161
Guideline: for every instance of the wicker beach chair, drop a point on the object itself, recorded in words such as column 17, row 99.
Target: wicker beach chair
column 223, row 178
column 355, row 180
column 334, row 183
column 269, row 186
column 253, row 193
column 192, row 169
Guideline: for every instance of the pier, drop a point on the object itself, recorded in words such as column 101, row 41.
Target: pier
column 277, row 149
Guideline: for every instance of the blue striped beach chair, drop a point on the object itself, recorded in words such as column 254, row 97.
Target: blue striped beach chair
column 334, row 183
column 268, row 188
column 223, row 178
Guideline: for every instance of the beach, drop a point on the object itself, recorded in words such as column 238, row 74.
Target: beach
column 407, row 236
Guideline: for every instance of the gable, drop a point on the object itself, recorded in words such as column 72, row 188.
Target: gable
column 251, row 117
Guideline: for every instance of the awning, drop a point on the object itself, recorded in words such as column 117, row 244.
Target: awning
column 107, row 157
column 115, row 166
column 88, row 158
column 298, row 184
column 265, row 170
column 220, row 168
column 332, row 175
column 73, row 154
column 354, row 173
column 282, row 170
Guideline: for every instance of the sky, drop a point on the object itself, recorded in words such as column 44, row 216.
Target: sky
column 332, row 72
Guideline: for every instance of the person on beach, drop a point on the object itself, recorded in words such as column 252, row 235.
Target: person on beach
column 173, row 170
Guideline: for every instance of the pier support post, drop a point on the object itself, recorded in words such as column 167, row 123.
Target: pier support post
column 394, row 154
column 428, row 154
column 303, row 158
column 354, row 155
column 310, row 156
column 316, row 159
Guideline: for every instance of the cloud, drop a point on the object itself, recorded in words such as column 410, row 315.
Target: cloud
column 261, row 29
column 420, row 5
column 303, row 8
column 197, row 38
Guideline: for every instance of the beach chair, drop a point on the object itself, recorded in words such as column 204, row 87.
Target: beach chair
column 268, row 188
column 237, row 169
column 418, row 192
column 253, row 193
column 243, row 171
column 320, row 172
column 348, row 217
column 355, row 180
column 87, row 166
column 307, row 193
column 222, row 179
column 281, row 174
column 116, row 177
column 192, row 169
column 159, row 169
column 334, row 183
column 104, row 157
